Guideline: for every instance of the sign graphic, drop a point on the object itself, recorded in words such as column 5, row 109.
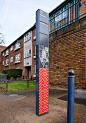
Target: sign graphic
column 42, row 62
column 43, row 55
column 43, row 90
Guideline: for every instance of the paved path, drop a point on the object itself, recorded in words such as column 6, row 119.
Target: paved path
column 20, row 107
column 80, row 93
column 11, row 97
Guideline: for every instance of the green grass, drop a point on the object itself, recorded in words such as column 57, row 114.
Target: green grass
column 17, row 86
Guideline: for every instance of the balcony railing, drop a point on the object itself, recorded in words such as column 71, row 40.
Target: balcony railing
column 73, row 11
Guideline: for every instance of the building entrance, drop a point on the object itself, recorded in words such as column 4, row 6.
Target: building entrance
column 29, row 73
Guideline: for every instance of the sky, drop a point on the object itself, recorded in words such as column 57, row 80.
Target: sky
column 17, row 16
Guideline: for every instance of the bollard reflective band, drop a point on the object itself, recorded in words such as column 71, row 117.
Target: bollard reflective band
column 42, row 62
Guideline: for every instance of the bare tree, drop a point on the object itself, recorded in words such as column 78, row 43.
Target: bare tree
column 1, row 37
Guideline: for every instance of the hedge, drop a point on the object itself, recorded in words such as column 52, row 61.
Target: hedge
column 13, row 72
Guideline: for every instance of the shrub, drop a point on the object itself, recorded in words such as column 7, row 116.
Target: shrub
column 11, row 78
column 13, row 72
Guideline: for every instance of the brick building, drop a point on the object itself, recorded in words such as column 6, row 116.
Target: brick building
column 66, row 13
column 67, row 46
column 20, row 54
column 67, row 43
column 1, row 48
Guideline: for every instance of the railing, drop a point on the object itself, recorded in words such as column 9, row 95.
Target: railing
column 73, row 11
column 10, row 86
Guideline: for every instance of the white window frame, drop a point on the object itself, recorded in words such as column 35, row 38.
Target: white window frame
column 7, row 52
column 17, row 45
column 27, row 53
column 27, row 37
column 11, row 59
column 17, row 58
column 11, row 48
column 7, row 61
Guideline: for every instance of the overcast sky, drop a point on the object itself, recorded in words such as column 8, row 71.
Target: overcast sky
column 17, row 16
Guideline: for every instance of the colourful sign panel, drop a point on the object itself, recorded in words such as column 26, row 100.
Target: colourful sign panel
column 42, row 62
column 43, row 90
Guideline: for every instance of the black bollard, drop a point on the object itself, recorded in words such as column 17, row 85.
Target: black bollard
column 6, row 86
column 71, row 93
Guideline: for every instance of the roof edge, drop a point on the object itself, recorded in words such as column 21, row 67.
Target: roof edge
column 59, row 6
column 20, row 37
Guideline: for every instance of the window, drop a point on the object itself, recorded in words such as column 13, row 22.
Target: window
column 65, row 12
column 7, row 51
column 3, row 53
column 76, row 1
column 27, row 53
column 7, row 61
column 27, row 37
column 58, row 16
column 17, row 57
column 3, row 62
column 61, row 14
column 17, row 45
column 11, row 59
column 11, row 48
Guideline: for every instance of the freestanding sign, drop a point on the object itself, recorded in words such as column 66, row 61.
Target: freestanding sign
column 42, row 62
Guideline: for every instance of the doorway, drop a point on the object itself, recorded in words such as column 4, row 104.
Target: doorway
column 29, row 71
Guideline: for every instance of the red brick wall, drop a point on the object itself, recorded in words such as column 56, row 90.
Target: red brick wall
column 33, row 52
column 67, row 50
column 12, row 54
column 1, row 48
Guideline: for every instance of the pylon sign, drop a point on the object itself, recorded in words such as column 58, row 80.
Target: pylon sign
column 42, row 62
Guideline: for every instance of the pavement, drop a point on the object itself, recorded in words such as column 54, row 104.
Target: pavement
column 11, row 97
column 80, row 93
column 20, row 107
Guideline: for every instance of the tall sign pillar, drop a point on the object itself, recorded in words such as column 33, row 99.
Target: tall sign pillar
column 42, row 62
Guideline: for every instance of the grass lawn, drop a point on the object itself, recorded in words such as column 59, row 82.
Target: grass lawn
column 16, row 86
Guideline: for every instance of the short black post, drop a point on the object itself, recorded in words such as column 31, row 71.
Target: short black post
column 27, row 84
column 6, row 86
column 71, row 93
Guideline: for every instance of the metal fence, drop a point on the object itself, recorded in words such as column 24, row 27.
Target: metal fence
column 12, row 81
column 71, row 12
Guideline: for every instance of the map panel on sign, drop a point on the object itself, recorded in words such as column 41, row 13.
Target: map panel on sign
column 43, row 55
